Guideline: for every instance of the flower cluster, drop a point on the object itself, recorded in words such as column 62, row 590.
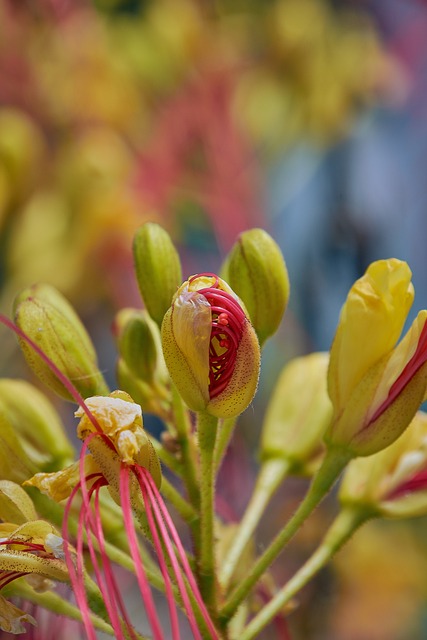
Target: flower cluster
column 192, row 357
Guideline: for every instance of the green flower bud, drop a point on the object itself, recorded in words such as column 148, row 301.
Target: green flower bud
column 64, row 341
column 39, row 426
column 298, row 413
column 46, row 293
column 139, row 342
column 256, row 271
column 157, row 267
column 210, row 347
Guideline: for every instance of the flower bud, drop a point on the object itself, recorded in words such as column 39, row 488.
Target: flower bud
column 157, row 267
column 298, row 413
column 139, row 342
column 46, row 293
column 393, row 482
column 63, row 339
column 257, row 272
column 210, row 347
column 39, row 426
column 376, row 387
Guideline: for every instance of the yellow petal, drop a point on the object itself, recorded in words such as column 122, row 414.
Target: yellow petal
column 370, row 324
column 59, row 485
column 12, row 618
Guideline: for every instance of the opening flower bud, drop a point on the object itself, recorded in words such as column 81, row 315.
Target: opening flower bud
column 376, row 386
column 210, row 347
column 257, row 272
column 63, row 339
column 139, row 342
column 157, row 268
column 393, row 482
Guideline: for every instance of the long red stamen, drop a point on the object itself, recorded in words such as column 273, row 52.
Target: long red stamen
column 164, row 517
column 144, row 587
column 415, row 363
column 162, row 563
column 228, row 321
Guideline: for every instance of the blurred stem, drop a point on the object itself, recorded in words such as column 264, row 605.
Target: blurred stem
column 207, row 430
column 187, row 448
column 167, row 458
column 53, row 602
column 270, row 476
column 345, row 524
column 184, row 508
column 225, row 433
column 332, row 466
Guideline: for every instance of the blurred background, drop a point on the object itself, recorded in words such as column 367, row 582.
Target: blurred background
column 305, row 117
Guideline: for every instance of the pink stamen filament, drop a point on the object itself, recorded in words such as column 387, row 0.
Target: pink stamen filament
column 228, row 321
column 160, row 555
column 412, row 367
column 165, row 516
column 144, row 587
column 418, row 482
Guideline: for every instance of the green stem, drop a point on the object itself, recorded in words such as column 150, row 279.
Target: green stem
column 188, row 451
column 332, row 466
column 225, row 433
column 269, row 478
column 53, row 602
column 346, row 523
column 207, row 429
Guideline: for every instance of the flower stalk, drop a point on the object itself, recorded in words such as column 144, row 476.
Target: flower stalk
column 331, row 468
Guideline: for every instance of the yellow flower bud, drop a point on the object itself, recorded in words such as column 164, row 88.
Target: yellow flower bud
column 298, row 413
column 63, row 339
column 257, row 272
column 211, row 348
column 376, row 387
column 157, row 267
column 393, row 482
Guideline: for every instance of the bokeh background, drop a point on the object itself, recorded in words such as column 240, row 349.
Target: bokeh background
column 305, row 117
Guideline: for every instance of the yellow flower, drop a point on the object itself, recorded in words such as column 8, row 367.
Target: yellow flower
column 393, row 483
column 211, row 348
column 375, row 386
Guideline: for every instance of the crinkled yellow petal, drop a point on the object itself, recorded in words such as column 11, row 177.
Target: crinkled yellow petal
column 59, row 484
column 113, row 414
column 370, row 324
column 12, row 618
